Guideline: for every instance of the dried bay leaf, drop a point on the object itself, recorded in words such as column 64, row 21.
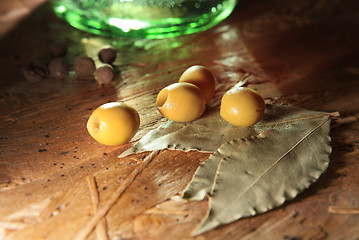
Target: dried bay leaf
column 209, row 132
column 247, row 175
column 292, row 120
column 255, row 175
column 204, row 178
column 205, row 134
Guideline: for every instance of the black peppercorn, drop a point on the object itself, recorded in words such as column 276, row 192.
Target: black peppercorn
column 104, row 74
column 84, row 66
column 107, row 55
column 58, row 50
column 58, row 68
column 36, row 72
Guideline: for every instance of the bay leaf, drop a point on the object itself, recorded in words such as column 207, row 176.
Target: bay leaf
column 209, row 132
column 281, row 118
column 258, row 174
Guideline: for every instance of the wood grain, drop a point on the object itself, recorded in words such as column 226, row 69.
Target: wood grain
column 302, row 53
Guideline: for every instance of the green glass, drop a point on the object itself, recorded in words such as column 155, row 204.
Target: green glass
column 152, row 19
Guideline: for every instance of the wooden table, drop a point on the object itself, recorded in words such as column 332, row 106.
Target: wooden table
column 55, row 179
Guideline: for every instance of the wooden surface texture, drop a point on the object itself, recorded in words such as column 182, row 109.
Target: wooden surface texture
column 56, row 182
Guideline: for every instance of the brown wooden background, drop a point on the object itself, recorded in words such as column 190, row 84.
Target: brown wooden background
column 304, row 53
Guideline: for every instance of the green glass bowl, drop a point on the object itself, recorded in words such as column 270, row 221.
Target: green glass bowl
column 154, row 19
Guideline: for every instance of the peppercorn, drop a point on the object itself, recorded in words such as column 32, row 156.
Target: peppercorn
column 36, row 72
column 107, row 55
column 58, row 50
column 84, row 66
column 58, row 68
column 104, row 74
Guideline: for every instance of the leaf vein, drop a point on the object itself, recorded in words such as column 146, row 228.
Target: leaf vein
column 268, row 169
column 291, row 120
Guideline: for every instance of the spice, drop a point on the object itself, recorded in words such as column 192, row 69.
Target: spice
column 58, row 50
column 58, row 68
column 104, row 74
column 107, row 55
column 84, row 66
column 36, row 72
